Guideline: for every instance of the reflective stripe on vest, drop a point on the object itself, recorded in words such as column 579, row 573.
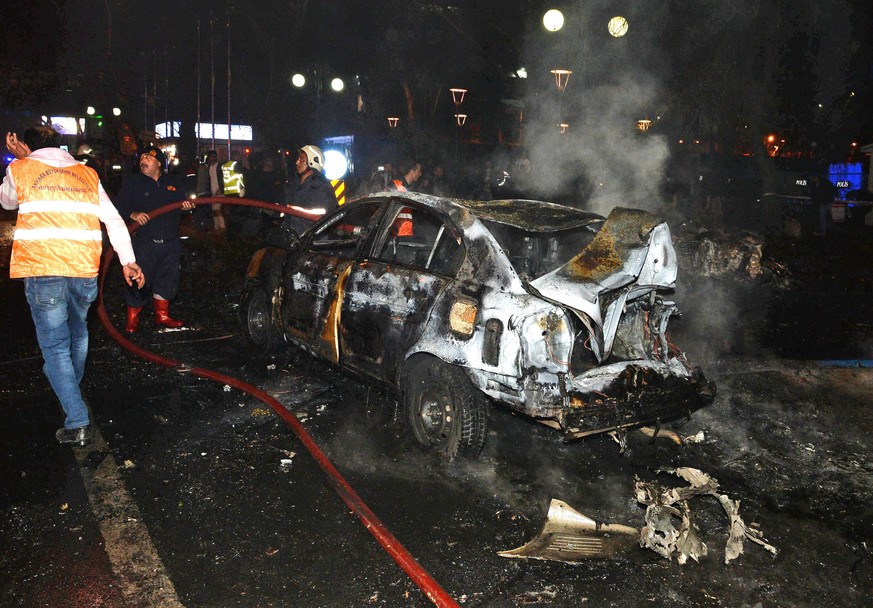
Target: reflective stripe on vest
column 57, row 232
column 399, row 185
column 233, row 179
column 403, row 223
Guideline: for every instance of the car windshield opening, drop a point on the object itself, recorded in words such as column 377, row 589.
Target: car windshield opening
column 533, row 254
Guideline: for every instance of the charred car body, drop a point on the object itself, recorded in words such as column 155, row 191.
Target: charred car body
column 552, row 311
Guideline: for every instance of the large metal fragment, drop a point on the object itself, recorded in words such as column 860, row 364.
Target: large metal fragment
column 660, row 534
column 570, row 536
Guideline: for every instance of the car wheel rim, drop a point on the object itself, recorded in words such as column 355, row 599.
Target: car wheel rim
column 257, row 320
column 436, row 414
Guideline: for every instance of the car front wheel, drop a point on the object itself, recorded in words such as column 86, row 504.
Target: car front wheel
column 446, row 413
column 257, row 320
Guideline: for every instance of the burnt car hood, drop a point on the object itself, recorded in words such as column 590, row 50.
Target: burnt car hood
column 633, row 250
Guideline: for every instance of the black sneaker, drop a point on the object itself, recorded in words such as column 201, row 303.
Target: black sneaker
column 79, row 437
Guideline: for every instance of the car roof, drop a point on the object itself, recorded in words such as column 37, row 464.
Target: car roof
column 530, row 215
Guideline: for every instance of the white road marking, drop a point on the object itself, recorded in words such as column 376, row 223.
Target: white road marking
column 141, row 573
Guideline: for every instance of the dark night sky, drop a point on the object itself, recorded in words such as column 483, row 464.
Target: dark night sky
column 126, row 52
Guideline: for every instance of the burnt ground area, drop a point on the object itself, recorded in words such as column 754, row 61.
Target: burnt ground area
column 240, row 515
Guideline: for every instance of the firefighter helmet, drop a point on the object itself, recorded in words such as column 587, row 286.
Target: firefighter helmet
column 314, row 157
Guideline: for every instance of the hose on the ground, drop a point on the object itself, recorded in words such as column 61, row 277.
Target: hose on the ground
column 423, row 580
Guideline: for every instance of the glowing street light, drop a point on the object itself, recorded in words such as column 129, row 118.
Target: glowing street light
column 562, row 77
column 392, row 121
column 116, row 111
column 90, row 111
column 617, row 26
column 458, row 96
column 337, row 84
column 553, row 20
column 460, row 119
column 564, row 127
column 298, row 80
column 643, row 124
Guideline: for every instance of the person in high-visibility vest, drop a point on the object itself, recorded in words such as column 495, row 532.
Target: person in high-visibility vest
column 411, row 172
column 233, row 177
column 56, row 250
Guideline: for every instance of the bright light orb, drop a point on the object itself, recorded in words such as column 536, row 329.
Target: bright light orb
column 298, row 80
column 337, row 84
column 553, row 20
column 90, row 111
column 335, row 164
column 617, row 26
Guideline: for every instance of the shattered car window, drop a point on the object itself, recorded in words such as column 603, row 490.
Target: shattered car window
column 533, row 254
column 420, row 239
column 342, row 236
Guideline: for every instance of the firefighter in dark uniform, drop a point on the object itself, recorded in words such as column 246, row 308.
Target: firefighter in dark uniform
column 309, row 190
column 156, row 244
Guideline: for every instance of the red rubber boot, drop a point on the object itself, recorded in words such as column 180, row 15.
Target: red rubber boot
column 162, row 314
column 132, row 319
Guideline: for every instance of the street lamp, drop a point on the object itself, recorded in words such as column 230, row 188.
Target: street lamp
column 392, row 121
column 564, row 127
column 643, row 124
column 562, row 77
column 461, row 119
column 617, row 26
column 458, row 96
column 90, row 111
column 299, row 80
column 553, row 20
column 116, row 111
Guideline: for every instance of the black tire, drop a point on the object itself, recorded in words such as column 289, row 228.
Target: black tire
column 257, row 320
column 445, row 412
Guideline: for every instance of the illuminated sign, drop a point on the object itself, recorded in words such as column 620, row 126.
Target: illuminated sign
column 204, row 130
column 168, row 129
column 67, row 125
column 846, row 177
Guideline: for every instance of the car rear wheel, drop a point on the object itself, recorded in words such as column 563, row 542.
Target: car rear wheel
column 258, row 322
column 445, row 413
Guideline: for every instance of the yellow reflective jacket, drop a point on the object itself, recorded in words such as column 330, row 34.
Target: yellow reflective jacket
column 233, row 179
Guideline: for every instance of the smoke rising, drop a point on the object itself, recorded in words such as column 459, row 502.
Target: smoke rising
column 602, row 159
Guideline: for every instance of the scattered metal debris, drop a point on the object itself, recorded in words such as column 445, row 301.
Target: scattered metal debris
column 664, row 504
column 570, row 536
column 718, row 255
column 698, row 437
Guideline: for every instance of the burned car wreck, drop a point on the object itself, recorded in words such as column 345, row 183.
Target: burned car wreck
column 554, row 312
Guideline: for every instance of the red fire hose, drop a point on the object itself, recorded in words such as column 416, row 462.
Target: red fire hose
column 392, row 546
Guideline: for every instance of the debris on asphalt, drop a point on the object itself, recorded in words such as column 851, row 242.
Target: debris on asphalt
column 663, row 504
column 570, row 536
column 698, row 437
column 665, row 433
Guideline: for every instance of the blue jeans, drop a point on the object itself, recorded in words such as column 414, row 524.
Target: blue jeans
column 59, row 306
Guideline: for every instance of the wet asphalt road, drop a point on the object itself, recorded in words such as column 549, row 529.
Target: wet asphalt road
column 238, row 514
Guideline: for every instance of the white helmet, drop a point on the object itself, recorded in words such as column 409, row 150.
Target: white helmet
column 314, row 157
